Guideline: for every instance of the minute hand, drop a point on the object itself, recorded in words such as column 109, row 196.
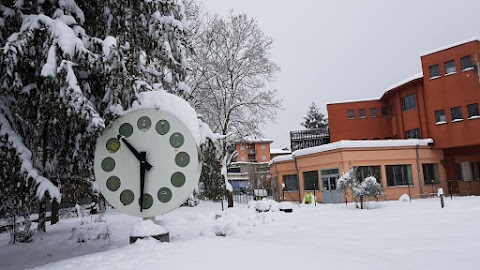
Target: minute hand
column 148, row 166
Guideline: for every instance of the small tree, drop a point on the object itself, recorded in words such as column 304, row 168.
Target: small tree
column 314, row 118
column 211, row 177
column 360, row 188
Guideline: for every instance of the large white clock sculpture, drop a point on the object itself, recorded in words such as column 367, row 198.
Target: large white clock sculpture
column 147, row 163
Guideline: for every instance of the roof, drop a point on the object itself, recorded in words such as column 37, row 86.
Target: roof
column 409, row 80
column 352, row 100
column 275, row 151
column 252, row 140
column 348, row 144
column 472, row 39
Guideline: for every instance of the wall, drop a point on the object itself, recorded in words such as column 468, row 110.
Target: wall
column 347, row 158
column 342, row 128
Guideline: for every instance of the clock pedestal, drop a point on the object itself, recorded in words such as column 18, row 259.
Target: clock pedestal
column 148, row 228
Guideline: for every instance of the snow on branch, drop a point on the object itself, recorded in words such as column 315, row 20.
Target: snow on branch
column 25, row 155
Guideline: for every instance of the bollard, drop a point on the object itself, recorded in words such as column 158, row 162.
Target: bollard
column 440, row 194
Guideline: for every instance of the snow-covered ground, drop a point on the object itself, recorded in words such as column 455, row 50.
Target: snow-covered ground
column 388, row 235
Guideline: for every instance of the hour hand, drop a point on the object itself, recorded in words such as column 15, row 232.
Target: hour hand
column 141, row 158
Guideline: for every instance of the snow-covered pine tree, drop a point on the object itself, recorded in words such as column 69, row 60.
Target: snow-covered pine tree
column 314, row 118
column 48, row 110
column 211, row 177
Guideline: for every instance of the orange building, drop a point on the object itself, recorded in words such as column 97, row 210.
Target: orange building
column 440, row 104
column 255, row 150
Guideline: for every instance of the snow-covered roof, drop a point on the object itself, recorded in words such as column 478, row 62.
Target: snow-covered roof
column 253, row 140
column 361, row 144
column 276, row 151
column 281, row 158
column 450, row 46
column 407, row 80
column 352, row 100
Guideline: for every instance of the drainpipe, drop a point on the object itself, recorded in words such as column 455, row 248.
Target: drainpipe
column 298, row 179
column 418, row 171
column 276, row 184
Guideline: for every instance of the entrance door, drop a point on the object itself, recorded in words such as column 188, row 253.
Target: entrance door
column 329, row 184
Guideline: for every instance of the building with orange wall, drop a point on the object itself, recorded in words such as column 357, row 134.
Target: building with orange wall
column 440, row 103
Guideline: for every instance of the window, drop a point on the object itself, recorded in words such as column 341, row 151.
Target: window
column 409, row 102
column 242, row 158
column 473, row 110
column 264, row 158
column 291, row 182
column 434, row 71
column 456, row 113
column 440, row 116
column 310, row 180
column 413, row 134
column 399, row 175
column 458, row 170
column 430, row 173
column 362, row 172
column 264, row 147
column 373, row 112
column 450, row 67
column 384, row 111
column 351, row 114
column 476, row 170
column 242, row 147
column 361, row 113
column 466, row 62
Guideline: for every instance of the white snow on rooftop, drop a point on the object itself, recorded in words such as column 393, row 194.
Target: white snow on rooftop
column 361, row 144
column 353, row 100
column 449, row 46
column 276, row 151
column 407, row 80
column 281, row 158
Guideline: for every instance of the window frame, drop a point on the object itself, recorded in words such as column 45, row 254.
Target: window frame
column 431, row 70
column 310, row 180
column 457, row 109
column 438, row 120
column 450, row 65
column 404, row 170
column 409, row 102
column 428, row 171
column 470, row 114
column 362, row 113
column 413, row 133
column 463, row 65
column 289, row 178
column 362, row 172
column 373, row 112
column 385, row 111
column 352, row 115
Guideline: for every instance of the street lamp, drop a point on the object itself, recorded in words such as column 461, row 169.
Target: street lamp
column 283, row 191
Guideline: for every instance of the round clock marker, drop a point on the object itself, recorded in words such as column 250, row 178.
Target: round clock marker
column 149, row 152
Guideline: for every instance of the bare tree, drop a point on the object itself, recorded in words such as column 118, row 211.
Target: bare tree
column 231, row 68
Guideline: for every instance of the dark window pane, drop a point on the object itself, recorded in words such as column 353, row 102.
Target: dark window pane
column 472, row 110
column 413, row 134
column 373, row 112
column 351, row 114
column 361, row 113
column 458, row 169
column 409, row 102
column 440, row 116
column 430, row 173
column 456, row 113
column 466, row 62
column 398, row 175
column 310, row 180
column 434, row 71
column 291, row 182
column 450, row 67
column 384, row 111
column 362, row 172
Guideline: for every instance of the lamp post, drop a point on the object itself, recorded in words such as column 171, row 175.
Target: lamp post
column 283, row 191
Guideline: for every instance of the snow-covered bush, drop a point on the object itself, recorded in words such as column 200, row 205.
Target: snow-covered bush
column 404, row 198
column 360, row 188
column 262, row 206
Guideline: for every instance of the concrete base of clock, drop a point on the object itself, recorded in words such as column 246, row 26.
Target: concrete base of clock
column 160, row 237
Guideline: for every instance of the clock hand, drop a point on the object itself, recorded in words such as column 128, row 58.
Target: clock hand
column 143, row 156
column 148, row 166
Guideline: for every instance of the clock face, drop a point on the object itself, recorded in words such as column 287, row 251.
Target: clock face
column 169, row 148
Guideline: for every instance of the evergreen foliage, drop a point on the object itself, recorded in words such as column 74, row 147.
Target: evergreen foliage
column 314, row 118
column 211, row 179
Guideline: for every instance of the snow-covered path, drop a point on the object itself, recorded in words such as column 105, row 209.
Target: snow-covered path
column 389, row 235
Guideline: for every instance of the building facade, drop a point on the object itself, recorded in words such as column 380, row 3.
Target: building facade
column 441, row 103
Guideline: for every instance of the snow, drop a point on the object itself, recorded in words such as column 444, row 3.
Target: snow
column 108, row 43
column 449, row 46
column 353, row 100
column 387, row 235
column 360, row 144
column 282, row 151
column 404, row 198
column 407, row 80
column 457, row 120
column 474, row 117
column 180, row 108
column 147, row 228
column 282, row 158
column 441, row 123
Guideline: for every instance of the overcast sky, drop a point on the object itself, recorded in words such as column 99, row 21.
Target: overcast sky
column 348, row 49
